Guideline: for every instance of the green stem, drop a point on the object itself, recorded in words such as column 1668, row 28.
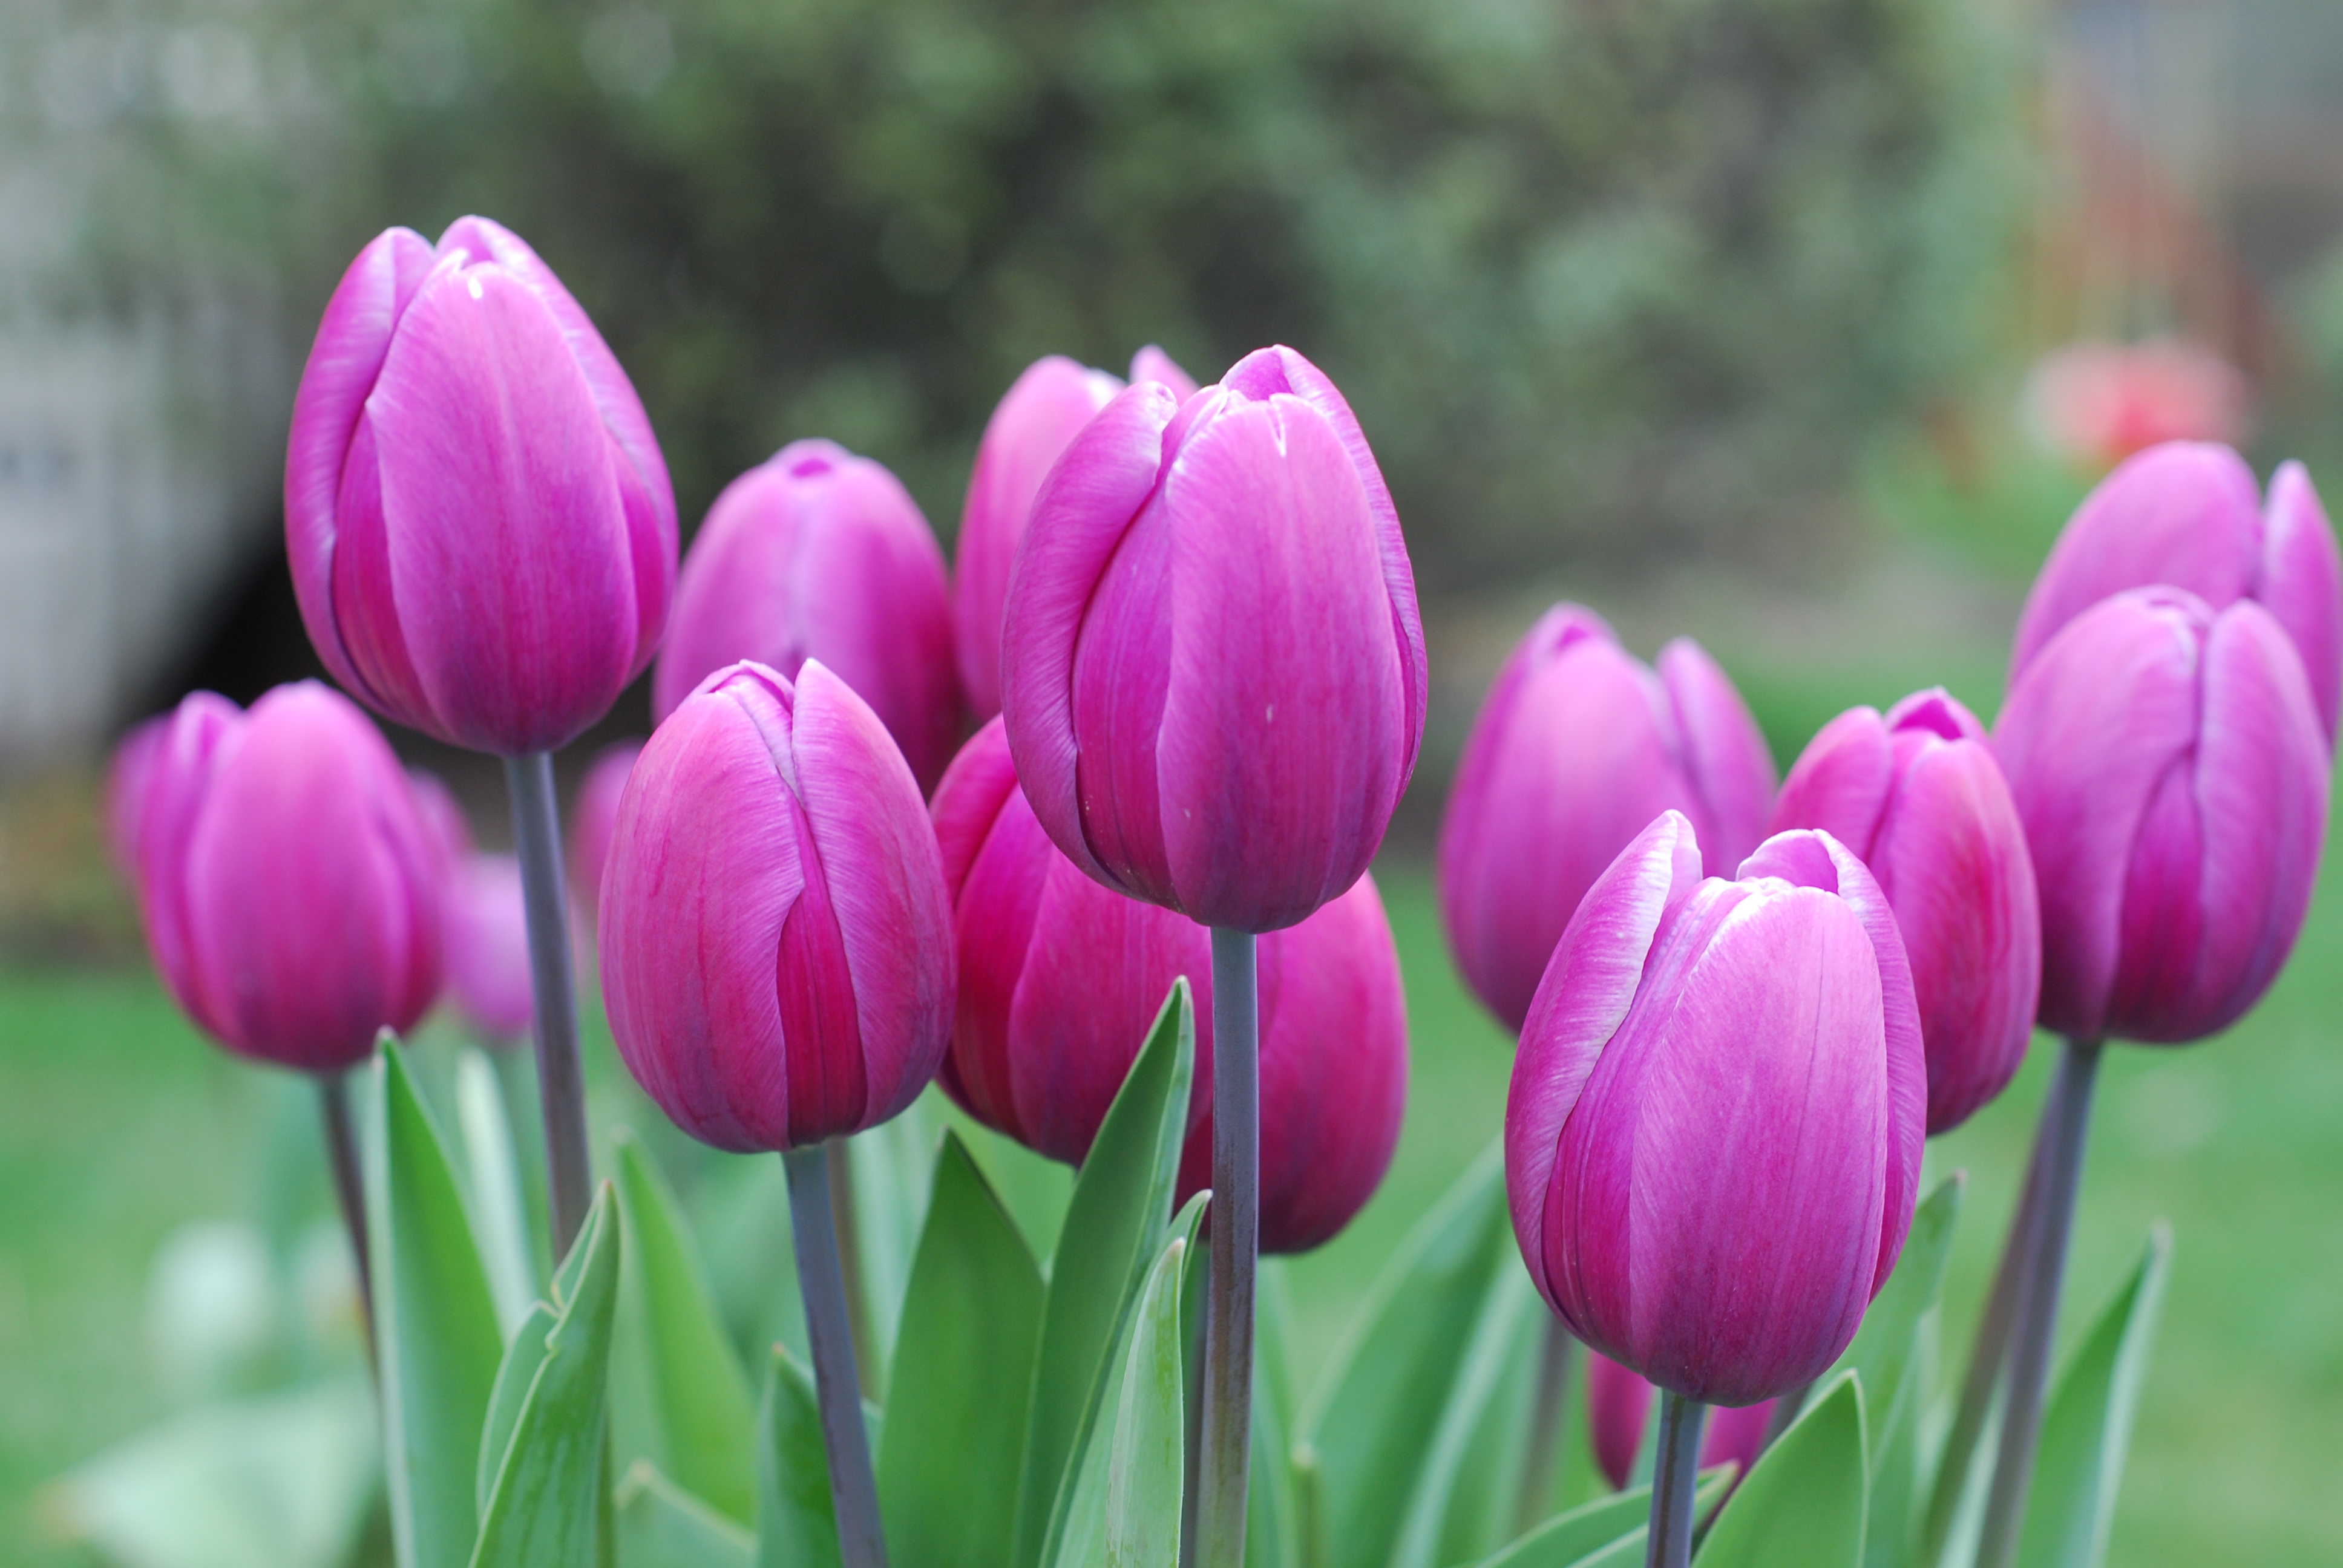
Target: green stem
column 1236, row 1227
column 1677, row 1466
column 853, row 1492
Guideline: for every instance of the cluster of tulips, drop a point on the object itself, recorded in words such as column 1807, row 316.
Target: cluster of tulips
column 1183, row 623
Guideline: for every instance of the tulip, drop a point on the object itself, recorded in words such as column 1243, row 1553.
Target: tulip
column 488, row 947
column 592, row 818
column 2189, row 515
column 817, row 553
column 126, row 789
column 1619, row 1406
column 451, row 830
column 1578, row 747
column 1060, row 980
column 1917, row 795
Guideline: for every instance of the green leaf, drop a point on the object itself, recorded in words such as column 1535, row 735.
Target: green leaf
column 2087, row 1430
column 435, row 1321
column 1567, row 1539
column 686, row 1406
column 498, row 1205
column 1114, row 1232
column 1803, row 1505
column 797, row 1523
column 1273, row 1518
column 1494, row 1367
column 890, row 1169
column 523, row 1357
column 661, row 1525
column 963, row 1371
column 547, row 1508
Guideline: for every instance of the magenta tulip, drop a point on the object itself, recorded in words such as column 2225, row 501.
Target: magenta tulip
column 1213, row 667
column 486, row 931
column 125, row 794
column 1619, row 1407
column 1060, row 980
column 2167, row 762
column 819, row 554
column 1918, row 794
column 2189, row 515
column 592, row 818
column 450, row 830
column 287, row 878
column 1712, row 1139
column 1578, row 747
column 776, row 940
column 480, row 527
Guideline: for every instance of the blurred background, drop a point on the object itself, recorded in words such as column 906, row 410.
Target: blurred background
column 1799, row 324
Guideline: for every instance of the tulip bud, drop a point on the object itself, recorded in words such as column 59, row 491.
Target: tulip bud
column 2189, row 515
column 776, row 940
column 480, row 523
column 486, row 928
column 1619, row 1406
column 2169, row 767
column 287, row 879
column 449, row 830
column 1712, row 1138
column 1578, row 747
column 819, row 554
column 1213, row 671
column 592, row 816
column 1918, row 794
column 126, row 789
column 1060, row 978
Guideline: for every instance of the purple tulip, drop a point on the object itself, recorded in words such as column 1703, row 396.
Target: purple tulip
column 1060, row 980
column 450, row 830
column 126, row 789
column 486, row 931
column 1619, row 1406
column 2189, row 515
column 480, row 528
column 592, row 818
column 1918, row 794
column 2167, row 762
column 1578, row 747
column 819, row 554
column 1213, row 671
column 1713, row 1135
column 776, row 943
column 287, row 878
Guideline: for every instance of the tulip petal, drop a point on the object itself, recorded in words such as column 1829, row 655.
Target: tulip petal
column 969, row 801
column 1937, row 713
column 1151, row 363
column 1122, row 669
column 999, row 903
column 1841, row 781
column 203, row 733
column 1725, row 753
column 2301, row 582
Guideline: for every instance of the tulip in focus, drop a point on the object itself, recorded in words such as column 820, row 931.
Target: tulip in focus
column 592, row 816
column 1577, row 748
column 486, row 931
column 1619, row 1407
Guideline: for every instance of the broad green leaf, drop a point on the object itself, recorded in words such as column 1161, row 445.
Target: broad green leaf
column 1273, row 1522
column 547, row 1506
column 1379, row 1403
column 1802, row 1504
column 661, row 1525
column 1566, row 1539
column 1113, row 1233
column 684, row 1404
column 498, row 1205
column 523, row 1357
column 435, row 1321
column 1495, row 1368
column 1033, row 1187
column 888, row 1172
column 739, row 1209
column 2087, row 1430
column 797, row 1523
column 963, row 1371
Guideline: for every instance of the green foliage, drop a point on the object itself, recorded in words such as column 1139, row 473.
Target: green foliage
column 1599, row 1526
column 660, row 1525
column 797, row 1523
column 1802, row 1504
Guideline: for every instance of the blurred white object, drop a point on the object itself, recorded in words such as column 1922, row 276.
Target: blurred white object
column 2095, row 403
column 211, row 1304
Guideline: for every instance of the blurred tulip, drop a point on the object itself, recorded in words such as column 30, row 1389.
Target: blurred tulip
column 2098, row 403
column 287, row 878
column 486, row 931
column 817, row 553
column 451, row 830
column 1712, row 1139
column 1213, row 669
column 592, row 816
column 481, row 531
column 126, row 789
column 2190, row 515
column 1577, row 748
column 776, row 940
column 2169, row 766
column 1918, row 794
column 1060, row 980
column 1619, row 1406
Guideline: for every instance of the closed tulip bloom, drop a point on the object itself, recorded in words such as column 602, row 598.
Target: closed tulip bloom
column 1060, row 978
column 776, row 940
column 1619, row 1407
column 1712, row 1138
column 480, row 523
column 1918, row 794
column 818, row 554
column 486, row 930
column 1578, row 747
column 125, row 788
column 450, row 830
column 287, row 879
column 592, row 816
column 2189, row 515
column 2166, row 761
column 1213, row 667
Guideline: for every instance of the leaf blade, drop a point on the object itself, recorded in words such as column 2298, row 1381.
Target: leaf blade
column 1803, row 1505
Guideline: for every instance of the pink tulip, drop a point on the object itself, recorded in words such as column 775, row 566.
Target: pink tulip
column 2167, row 762
column 2190, row 515
column 776, row 940
column 1712, row 1139
column 1919, row 797
column 125, row 792
column 451, row 830
column 480, row 528
column 1214, row 670
column 1060, row 980
column 819, row 554
column 1578, row 747
column 592, row 818
column 1619, row 1406
column 287, row 879
column 487, row 947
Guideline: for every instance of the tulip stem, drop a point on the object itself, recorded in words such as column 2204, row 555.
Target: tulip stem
column 1668, row 1543
column 839, row 1162
column 1236, row 1234
column 1557, row 1353
column 2065, row 1124
column 349, row 1191
column 561, row 1084
column 822, row 1279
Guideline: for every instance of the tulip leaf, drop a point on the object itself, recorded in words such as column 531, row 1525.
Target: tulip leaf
column 1113, row 1233
column 661, row 1525
column 797, row 1522
column 548, row 1507
column 499, row 1208
column 523, row 1357
column 435, row 1322
column 1273, row 1522
column 1448, row 1517
column 1802, row 1504
column 963, row 1371
column 1378, row 1405
column 1568, row 1539
column 2087, row 1428
column 888, row 1169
